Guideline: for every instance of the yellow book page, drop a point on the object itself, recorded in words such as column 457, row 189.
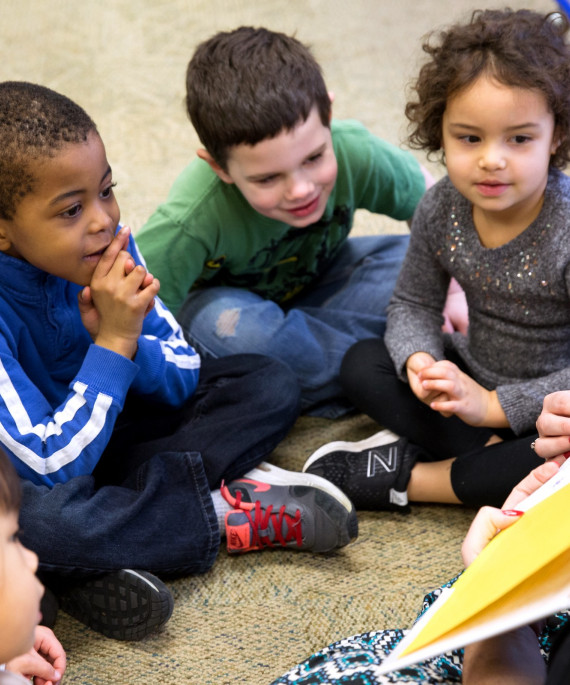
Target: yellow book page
column 516, row 554
column 552, row 579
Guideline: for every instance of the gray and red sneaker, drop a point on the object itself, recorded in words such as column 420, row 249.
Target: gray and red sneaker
column 277, row 508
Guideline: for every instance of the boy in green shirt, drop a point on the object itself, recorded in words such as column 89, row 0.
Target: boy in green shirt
column 251, row 246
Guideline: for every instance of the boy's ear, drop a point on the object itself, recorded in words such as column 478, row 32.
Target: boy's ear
column 216, row 168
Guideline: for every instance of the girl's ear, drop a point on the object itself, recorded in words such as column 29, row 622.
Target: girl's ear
column 5, row 242
column 556, row 140
column 216, row 168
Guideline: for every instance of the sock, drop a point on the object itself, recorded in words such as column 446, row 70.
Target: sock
column 221, row 507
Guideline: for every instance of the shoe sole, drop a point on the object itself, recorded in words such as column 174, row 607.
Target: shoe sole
column 384, row 437
column 123, row 605
column 268, row 473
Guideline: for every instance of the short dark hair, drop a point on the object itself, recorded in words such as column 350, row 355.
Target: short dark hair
column 247, row 85
column 35, row 122
column 10, row 490
column 521, row 49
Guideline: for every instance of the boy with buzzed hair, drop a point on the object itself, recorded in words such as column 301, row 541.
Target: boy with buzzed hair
column 135, row 457
column 251, row 246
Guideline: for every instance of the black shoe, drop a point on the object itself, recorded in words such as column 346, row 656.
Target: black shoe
column 123, row 605
column 373, row 473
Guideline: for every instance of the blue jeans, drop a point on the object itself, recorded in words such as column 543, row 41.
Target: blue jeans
column 312, row 333
column 148, row 504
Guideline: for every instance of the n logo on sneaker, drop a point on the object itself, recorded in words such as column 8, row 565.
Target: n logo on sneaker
column 386, row 462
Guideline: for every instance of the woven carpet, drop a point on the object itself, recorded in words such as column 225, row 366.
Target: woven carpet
column 251, row 617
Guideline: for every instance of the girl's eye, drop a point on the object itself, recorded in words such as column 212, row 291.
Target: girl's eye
column 470, row 139
column 519, row 140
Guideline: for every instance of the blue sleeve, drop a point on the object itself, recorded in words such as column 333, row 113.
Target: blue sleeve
column 168, row 366
column 51, row 443
column 47, row 445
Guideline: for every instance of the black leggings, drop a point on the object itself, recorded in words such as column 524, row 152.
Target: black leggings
column 479, row 475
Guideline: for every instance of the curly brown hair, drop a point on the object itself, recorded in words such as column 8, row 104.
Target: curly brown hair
column 521, row 49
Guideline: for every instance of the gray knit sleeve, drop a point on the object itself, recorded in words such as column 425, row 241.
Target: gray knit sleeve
column 415, row 311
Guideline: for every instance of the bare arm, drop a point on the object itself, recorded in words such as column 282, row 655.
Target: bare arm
column 509, row 659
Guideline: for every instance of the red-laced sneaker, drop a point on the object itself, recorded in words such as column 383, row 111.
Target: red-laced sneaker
column 277, row 508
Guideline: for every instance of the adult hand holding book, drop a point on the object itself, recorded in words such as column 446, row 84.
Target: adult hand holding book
column 522, row 575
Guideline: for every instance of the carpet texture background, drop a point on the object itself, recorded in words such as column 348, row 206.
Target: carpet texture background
column 251, row 617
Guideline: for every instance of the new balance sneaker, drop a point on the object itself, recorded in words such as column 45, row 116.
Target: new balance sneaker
column 374, row 472
column 277, row 508
column 124, row 605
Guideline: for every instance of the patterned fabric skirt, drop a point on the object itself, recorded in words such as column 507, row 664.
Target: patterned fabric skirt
column 357, row 659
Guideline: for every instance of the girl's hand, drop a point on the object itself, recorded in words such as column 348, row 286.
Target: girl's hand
column 415, row 364
column 455, row 392
column 553, row 426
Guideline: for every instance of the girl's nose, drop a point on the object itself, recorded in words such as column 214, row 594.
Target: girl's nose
column 492, row 157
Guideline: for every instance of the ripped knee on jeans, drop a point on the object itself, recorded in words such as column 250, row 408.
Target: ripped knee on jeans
column 227, row 323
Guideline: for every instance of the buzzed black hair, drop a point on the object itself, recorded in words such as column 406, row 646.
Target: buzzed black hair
column 35, row 122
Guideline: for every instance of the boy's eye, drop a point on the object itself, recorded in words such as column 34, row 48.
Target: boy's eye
column 108, row 191
column 315, row 158
column 266, row 180
column 71, row 212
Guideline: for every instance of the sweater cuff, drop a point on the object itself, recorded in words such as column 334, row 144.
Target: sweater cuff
column 107, row 372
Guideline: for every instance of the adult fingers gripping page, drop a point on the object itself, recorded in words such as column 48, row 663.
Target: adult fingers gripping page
column 522, row 575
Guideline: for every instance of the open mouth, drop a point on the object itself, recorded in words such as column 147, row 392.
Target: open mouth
column 306, row 209
column 95, row 255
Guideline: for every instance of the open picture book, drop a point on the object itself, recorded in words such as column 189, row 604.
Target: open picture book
column 521, row 576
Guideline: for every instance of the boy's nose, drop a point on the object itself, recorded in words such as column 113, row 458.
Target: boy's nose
column 101, row 220
column 299, row 186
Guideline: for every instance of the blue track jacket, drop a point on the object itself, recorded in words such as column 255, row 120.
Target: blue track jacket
column 60, row 394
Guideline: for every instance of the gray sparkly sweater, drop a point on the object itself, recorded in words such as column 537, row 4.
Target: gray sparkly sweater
column 518, row 296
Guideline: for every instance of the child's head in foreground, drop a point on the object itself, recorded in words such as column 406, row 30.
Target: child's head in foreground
column 20, row 590
column 57, row 207
column 259, row 104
